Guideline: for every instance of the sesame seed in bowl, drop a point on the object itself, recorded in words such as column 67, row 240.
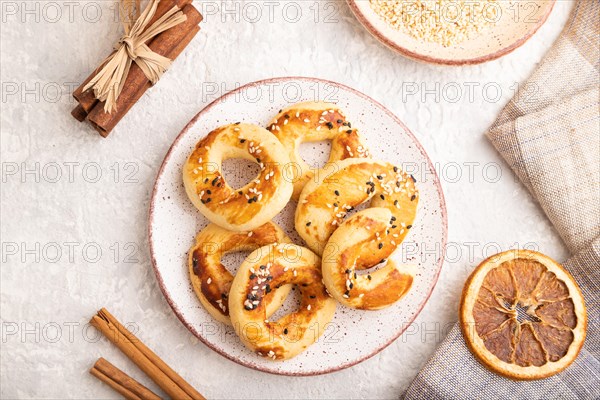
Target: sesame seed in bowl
column 452, row 32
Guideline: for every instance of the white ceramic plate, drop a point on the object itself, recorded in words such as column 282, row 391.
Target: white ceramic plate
column 353, row 335
column 517, row 22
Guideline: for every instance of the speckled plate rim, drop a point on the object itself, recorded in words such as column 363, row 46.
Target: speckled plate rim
column 381, row 37
column 167, row 158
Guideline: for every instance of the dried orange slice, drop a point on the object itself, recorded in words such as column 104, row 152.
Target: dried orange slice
column 522, row 315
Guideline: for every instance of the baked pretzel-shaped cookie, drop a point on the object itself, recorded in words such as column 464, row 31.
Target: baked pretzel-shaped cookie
column 258, row 201
column 350, row 248
column 211, row 280
column 325, row 202
column 311, row 122
column 248, row 301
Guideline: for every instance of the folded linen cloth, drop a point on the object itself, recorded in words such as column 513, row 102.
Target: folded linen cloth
column 551, row 140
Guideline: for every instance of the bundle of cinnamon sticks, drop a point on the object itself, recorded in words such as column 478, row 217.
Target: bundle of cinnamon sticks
column 169, row 43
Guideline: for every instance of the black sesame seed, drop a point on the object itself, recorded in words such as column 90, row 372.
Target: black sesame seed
column 348, row 271
column 351, row 285
column 248, row 308
column 369, row 277
column 208, row 200
column 337, row 192
column 335, row 204
column 379, row 177
column 305, row 285
column 280, row 111
column 209, row 192
column 312, row 296
column 206, row 180
column 349, row 131
column 395, row 169
column 252, row 276
column 393, row 218
column 285, row 331
column 258, row 160
column 409, row 226
column 329, row 125
column 339, row 121
column 270, row 277
column 382, row 197
column 308, row 223
column 240, row 192
column 347, row 293
column 355, row 275
column 394, row 226
column 286, row 116
column 349, row 125
column 398, row 183
column 255, row 198
column 214, row 181
column 380, row 245
column 395, row 202
column 413, row 197
column 237, row 123
column 202, row 201
column 268, row 288
column 249, row 201
column 382, row 261
column 263, row 267
column 242, row 140
column 223, row 295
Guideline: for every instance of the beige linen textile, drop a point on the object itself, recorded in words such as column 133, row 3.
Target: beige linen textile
column 549, row 134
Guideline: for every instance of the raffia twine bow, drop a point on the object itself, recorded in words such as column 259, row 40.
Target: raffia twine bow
column 131, row 47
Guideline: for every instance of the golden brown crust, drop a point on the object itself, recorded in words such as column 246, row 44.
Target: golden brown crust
column 210, row 278
column 361, row 242
column 266, row 270
column 252, row 205
column 509, row 367
column 325, row 202
column 310, row 122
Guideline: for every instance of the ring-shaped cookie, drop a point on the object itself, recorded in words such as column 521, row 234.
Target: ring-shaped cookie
column 210, row 278
column 351, row 248
column 311, row 122
column 325, row 202
column 258, row 201
column 293, row 333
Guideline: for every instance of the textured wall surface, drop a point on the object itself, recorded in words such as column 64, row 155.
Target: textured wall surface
column 74, row 205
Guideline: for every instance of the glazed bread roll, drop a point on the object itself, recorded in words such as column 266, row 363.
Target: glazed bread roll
column 325, row 202
column 361, row 242
column 254, row 204
column 310, row 122
column 265, row 270
column 211, row 280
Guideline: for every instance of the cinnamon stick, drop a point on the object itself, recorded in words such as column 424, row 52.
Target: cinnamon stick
column 79, row 113
column 163, row 375
column 86, row 99
column 121, row 382
column 170, row 44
